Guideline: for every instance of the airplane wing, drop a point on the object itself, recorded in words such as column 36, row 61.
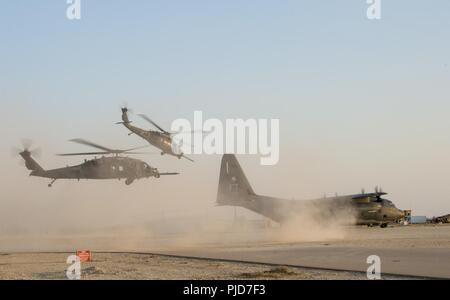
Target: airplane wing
column 362, row 196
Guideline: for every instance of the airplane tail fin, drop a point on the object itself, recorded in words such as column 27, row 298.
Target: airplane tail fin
column 30, row 163
column 234, row 188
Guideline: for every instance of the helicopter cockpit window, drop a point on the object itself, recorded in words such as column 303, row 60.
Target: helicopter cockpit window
column 388, row 203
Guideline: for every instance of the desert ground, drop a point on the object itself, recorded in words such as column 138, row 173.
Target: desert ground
column 414, row 251
column 112, row 266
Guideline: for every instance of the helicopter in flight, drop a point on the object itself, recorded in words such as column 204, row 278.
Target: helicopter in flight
column 160, row 138
column 111, row 167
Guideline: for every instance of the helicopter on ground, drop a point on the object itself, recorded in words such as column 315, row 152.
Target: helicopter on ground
column 161, row 139
column 112, row 167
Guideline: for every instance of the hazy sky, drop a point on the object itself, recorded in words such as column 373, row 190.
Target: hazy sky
column 361, row 103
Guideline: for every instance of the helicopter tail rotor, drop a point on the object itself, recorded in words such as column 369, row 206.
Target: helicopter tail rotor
column 125, row 111
column 26, row 153
column 26, row 147
column 125, row 119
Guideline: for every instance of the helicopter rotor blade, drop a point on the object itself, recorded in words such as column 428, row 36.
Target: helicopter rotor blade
column 190, row 159
column 105, row 149
column 135, row 148
column 36, row 152
column 190, row 131
column 88, row 143
column 153, row 123
column 125, row 107
column 82, row 153
column 26, row 143
column 15, row 151
column 103, row 153
column 126, row 152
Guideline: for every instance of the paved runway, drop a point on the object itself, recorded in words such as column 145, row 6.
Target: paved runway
column 415, row 250
column 415, row 262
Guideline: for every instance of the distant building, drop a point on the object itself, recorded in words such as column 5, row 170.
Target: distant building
column 418, row 219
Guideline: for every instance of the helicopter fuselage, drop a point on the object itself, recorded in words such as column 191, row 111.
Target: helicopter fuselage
column 102, row 168
column 157, row 139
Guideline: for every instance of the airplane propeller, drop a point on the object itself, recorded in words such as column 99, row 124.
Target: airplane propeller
column 378, row 193
column 379, row 190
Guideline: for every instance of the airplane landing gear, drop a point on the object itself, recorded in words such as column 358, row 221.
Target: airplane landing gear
column 129, row 181
column 383, row 225
column 162, row 153
column 51, row 183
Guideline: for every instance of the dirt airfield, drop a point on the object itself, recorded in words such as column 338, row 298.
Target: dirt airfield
column 415, row 251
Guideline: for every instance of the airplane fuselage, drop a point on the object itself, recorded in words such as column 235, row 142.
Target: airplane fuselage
column 235, row 190
column 362, row 211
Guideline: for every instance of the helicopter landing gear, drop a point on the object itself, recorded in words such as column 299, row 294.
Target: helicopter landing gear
column 51, row 183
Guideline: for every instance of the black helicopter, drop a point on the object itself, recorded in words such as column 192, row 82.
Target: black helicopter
column 113, row 167
column 161, row 139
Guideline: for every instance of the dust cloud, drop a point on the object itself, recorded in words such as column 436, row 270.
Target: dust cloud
column 215, row 227
column 309, row 225
column 151, row 214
